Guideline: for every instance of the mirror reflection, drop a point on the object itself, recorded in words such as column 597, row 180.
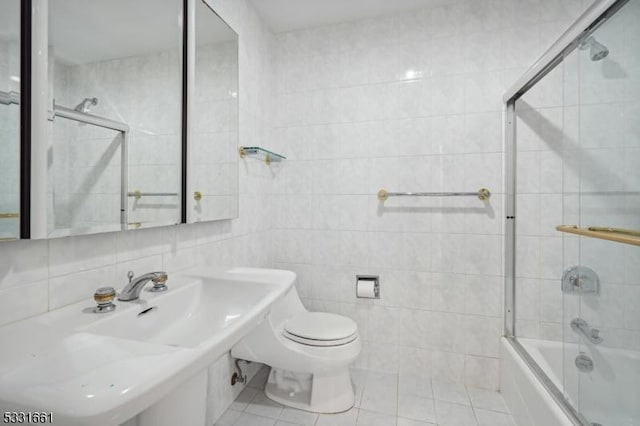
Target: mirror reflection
column 213, row 165
column 9, row 119
column 115, row 95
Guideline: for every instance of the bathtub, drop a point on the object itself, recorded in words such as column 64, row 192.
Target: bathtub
column 609, row 395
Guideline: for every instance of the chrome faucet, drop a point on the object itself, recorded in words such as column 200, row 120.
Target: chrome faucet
column 581, row 326
column 132, row 290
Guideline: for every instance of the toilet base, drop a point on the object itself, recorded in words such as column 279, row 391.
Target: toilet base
column 326, row 393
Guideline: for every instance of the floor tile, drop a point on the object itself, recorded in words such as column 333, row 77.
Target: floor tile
column 382, row 381
column 449, row 414
column 247, row 419
column 414, row 385
column 450, row 392
column 410, row 422
column 229, row 418
column 488, row 400
column 385, row 403
column 303, row 418
column 358, row 376
column 263, row 406
column 370, row 418
column 359, row 379
column 348, row 418
column 416, row 408
column 244, row 398
column 493, row 418
column 382, row 399
column 381, row 393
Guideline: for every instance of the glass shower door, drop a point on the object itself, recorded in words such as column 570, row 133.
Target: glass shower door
column 601, row 193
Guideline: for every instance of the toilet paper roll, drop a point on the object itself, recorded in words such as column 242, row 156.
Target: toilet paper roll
column 366, row 288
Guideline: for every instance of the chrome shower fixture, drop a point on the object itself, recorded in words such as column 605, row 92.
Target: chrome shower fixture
column 597, row 51
column 84, row 105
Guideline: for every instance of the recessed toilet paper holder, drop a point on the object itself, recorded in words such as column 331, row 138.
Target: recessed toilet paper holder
column 364, row 281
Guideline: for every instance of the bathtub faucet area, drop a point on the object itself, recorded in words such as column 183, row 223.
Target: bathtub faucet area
column 579, row 325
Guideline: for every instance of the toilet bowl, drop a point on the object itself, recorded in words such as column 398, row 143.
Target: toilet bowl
column 309, row 354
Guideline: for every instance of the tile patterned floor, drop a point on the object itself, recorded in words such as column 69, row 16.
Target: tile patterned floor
column 381, row 400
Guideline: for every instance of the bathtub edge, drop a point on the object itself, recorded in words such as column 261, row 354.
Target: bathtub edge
column 525, row 396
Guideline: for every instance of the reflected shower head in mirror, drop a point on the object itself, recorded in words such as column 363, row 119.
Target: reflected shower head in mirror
column 597, row 51
column 84, row 105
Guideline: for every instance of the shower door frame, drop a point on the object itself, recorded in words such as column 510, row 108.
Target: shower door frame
column 106, row 123
column 593, row 17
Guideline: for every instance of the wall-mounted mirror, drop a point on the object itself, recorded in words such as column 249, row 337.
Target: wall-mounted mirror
column 9, row 119
column 213, row 141
column 114, row 115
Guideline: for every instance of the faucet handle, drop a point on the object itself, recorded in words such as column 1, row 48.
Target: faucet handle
column 595, row 336
column 104, row 298
column 161, row 278
column 159, row 283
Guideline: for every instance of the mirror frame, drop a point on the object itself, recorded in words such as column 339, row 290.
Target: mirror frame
column 186, row 25
column 26, row 8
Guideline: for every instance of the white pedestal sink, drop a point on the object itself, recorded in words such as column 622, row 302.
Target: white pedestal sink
column 103, row 369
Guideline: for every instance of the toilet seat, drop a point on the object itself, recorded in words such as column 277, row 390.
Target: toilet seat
column 320, row 329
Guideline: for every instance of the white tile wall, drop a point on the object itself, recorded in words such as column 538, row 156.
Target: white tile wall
column 410, row 103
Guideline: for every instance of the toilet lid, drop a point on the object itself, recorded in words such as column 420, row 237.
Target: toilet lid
column 321, row 329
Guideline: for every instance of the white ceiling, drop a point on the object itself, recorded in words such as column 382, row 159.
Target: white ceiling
column 84, row 31
column 287, row 15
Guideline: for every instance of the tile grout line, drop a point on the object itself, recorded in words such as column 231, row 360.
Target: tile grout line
column 473, row 410
column 433, row 396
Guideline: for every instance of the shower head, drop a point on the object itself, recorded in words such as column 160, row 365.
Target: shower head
column 597, row 51
column 84, row 105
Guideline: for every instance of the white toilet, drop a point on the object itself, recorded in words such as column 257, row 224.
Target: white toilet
column 309, row 354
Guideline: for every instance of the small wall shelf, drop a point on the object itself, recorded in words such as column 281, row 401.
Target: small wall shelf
column 618, row 235
column 265, row 154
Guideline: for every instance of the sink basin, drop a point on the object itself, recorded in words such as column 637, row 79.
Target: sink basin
column 102, row 369
column 187, row 315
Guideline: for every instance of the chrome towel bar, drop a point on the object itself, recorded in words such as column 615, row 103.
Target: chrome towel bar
column 482, row 194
